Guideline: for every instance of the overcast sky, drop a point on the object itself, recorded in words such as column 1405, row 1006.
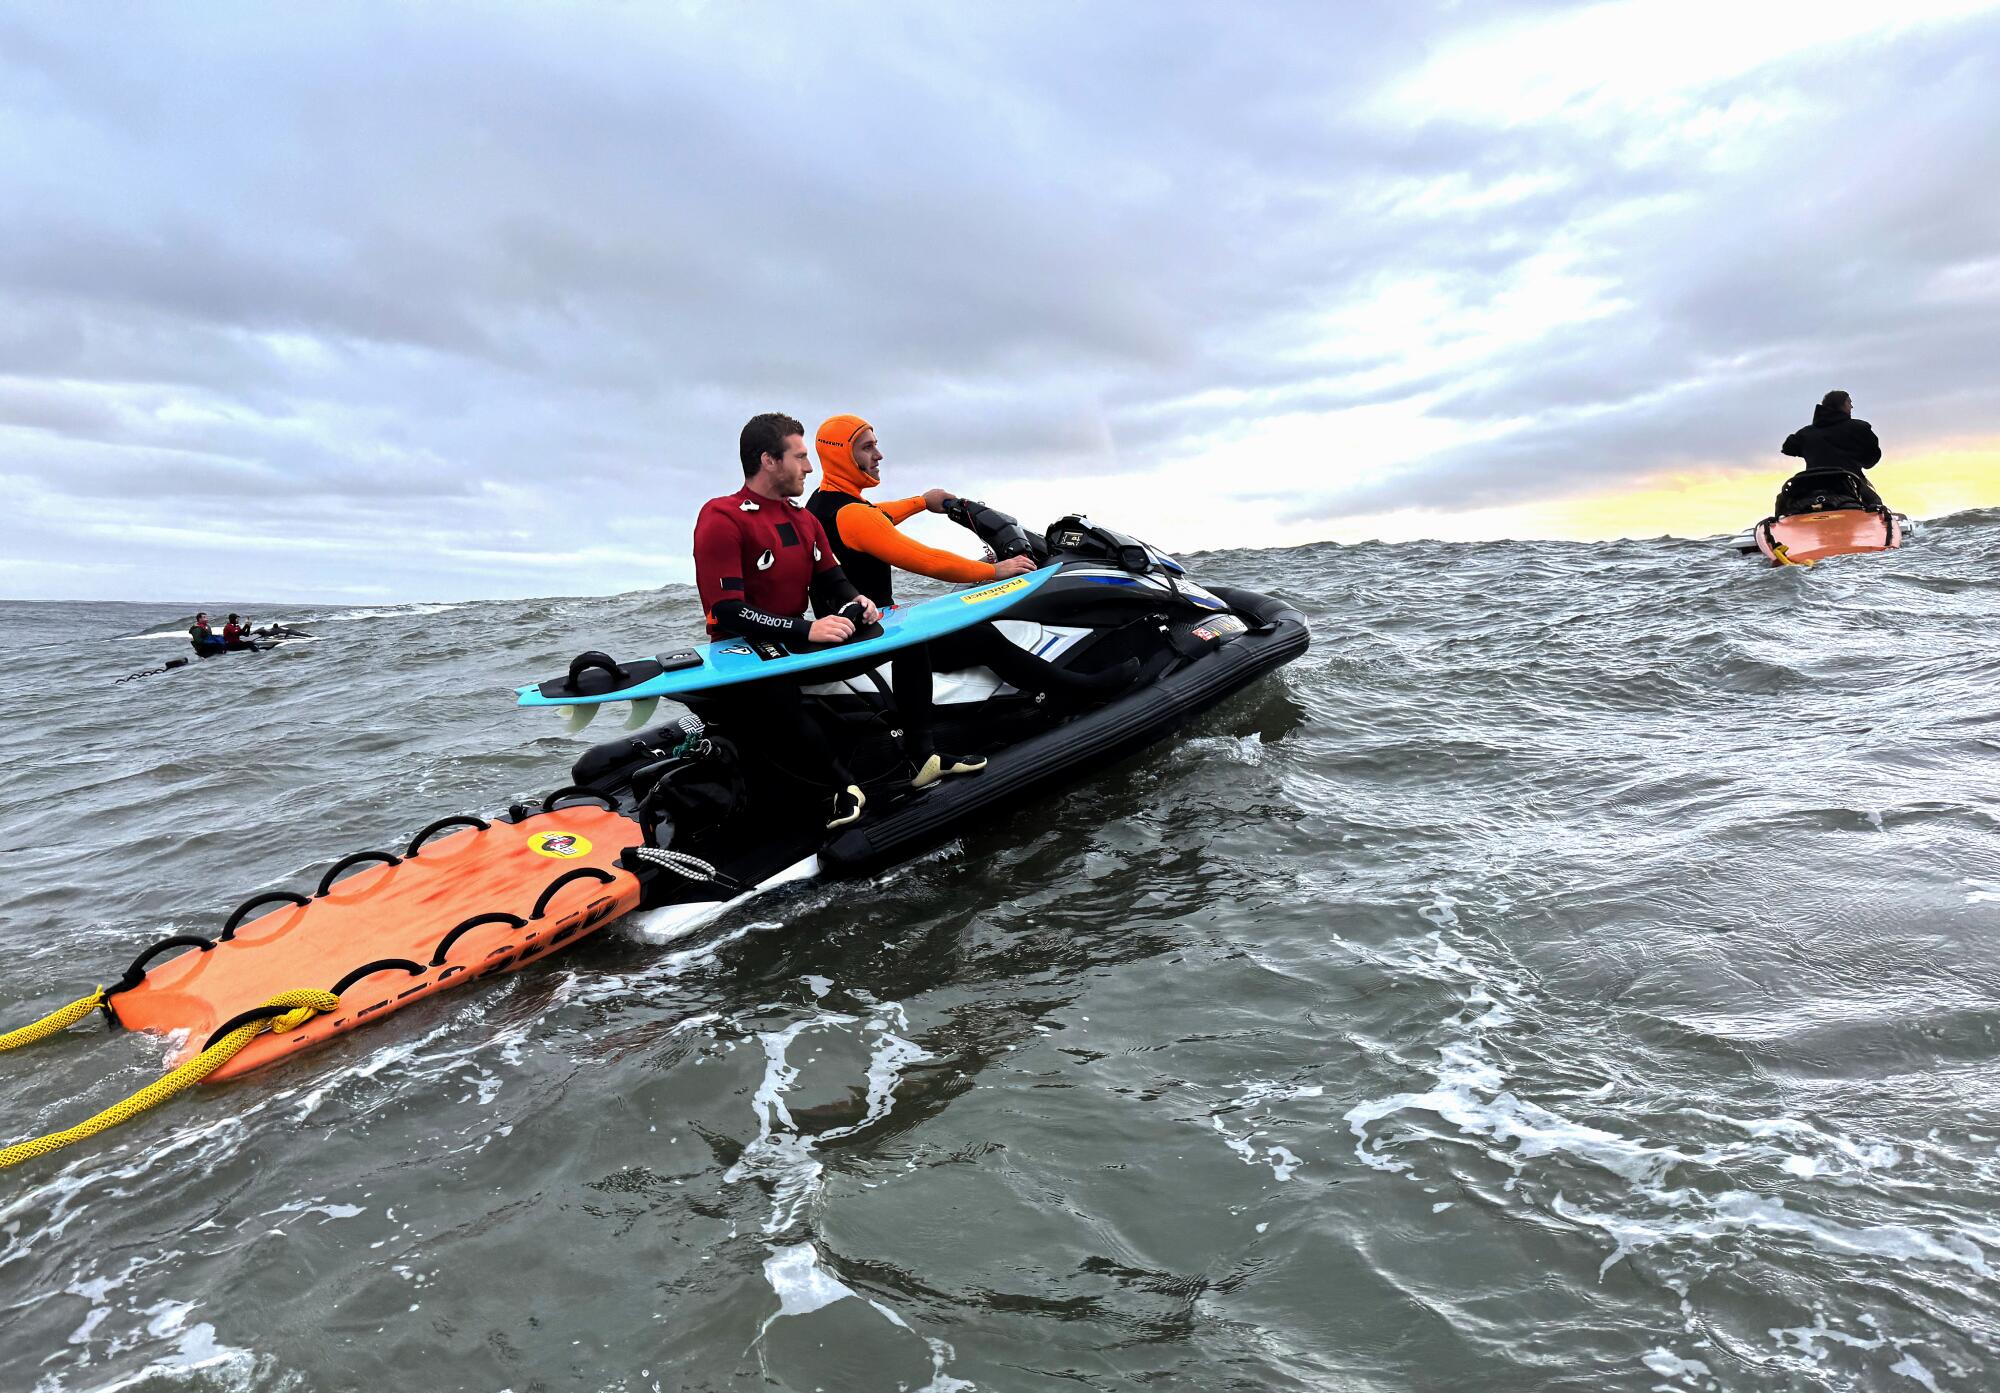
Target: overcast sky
column 360, row 302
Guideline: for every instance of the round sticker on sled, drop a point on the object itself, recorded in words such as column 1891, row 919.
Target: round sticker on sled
column 564, row 846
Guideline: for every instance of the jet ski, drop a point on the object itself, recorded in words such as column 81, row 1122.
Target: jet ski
column 1104, row 649
column 1821, row 513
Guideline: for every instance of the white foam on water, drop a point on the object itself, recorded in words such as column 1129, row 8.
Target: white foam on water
column 1257, row 1093
column 1245, row 750
column 1983, row 891
column 196, row 1350
column 1845, row 1155
column 1806, row 1338
column 1909, row 1368
column 317, row 1206
column 1709, row 1217
column 779, row 1155
column 410, row 611
column 802, row 1285
column 1471, row 1098
column 1667, row 1364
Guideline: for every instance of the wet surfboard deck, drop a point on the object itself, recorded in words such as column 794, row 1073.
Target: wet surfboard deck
column 732, row 661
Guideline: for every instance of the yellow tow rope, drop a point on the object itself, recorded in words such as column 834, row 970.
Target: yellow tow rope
column 302, row 1007
column 1780, row 556
column 54, row 1021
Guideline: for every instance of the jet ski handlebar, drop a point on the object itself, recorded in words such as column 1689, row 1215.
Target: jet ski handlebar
column 1003, row 533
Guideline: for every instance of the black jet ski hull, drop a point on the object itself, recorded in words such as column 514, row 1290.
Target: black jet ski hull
column 788, row 846
column 1070, row 751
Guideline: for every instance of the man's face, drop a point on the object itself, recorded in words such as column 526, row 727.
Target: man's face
column 868, row 454
column 787, row 473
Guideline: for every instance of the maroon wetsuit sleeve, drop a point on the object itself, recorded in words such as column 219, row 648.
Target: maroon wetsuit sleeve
column 747, row 621
column 718, row 561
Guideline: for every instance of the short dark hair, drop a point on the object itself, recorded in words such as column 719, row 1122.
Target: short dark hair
column 765, row 435
column 1839, row 399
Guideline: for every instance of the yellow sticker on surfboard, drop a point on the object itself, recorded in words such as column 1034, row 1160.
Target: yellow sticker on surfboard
column 993, row 592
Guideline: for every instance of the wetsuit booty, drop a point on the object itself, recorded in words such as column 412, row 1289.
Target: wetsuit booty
column 847, row 806
column 938, row 766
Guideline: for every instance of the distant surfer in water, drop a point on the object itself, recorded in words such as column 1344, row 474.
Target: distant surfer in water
column 1835, row 440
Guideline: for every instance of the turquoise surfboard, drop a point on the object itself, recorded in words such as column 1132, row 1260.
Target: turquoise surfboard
column 727, row 662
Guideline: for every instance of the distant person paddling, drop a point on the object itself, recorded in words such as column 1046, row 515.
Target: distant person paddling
column 1835, row 440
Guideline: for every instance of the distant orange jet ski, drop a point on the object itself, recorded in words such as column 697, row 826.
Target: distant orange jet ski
column 1825, row 512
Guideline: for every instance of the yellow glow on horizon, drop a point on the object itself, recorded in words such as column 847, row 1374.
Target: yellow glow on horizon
column 1727, row 501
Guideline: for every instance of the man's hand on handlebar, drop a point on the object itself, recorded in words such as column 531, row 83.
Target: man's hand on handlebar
column 935, row 499
column 832, row 628
column 1013, row 566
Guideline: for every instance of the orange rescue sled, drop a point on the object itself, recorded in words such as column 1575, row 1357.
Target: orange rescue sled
column 488, row 898
column 1806, row 537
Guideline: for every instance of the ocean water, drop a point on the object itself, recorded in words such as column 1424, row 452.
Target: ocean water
column 1581, row 970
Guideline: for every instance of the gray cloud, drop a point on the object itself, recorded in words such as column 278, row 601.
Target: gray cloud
column 433, row 287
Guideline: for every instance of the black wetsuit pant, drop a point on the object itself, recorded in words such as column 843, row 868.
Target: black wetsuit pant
column 781, row 732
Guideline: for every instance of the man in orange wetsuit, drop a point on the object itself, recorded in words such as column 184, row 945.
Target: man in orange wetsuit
column 864, row 534
column 865, row 538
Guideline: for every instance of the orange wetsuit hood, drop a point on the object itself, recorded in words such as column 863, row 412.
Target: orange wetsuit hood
column 837, row 468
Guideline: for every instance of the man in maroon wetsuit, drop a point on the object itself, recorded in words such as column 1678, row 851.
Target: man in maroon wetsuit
column 758, row 558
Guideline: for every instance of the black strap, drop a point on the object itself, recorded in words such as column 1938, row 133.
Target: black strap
column 379, row 965
column 575, row 791
column 512, row 921
column 229, row 927
column 359, row 858
column 136, row 973
column 580, row 873
column 461, row 820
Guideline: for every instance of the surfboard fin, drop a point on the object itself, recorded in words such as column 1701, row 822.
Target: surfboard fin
column 642, row 712
column 575, row 718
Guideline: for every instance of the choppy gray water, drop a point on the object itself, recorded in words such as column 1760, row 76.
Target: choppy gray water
column 1578, row 972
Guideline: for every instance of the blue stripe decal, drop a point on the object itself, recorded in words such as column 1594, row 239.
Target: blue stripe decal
column 1112, row 580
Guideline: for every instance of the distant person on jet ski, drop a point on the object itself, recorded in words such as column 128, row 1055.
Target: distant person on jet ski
column 1835, row 440
column 207, row 643
column 864, row 533
column 759, row 557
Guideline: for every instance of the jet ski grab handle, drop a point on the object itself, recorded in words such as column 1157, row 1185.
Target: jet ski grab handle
column 1002, row 533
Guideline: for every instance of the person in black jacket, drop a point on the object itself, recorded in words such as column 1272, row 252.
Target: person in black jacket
column 1835, row 440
